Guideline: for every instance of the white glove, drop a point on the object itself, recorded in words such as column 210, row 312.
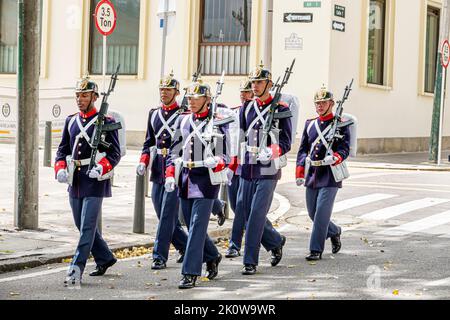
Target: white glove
column 170, row 184
column 265, row 155
column 329, row 160
column 300, row 181
column 96, row 172
column 62, row 176
column 230, row 175
column 141, row 168
column 211, row 162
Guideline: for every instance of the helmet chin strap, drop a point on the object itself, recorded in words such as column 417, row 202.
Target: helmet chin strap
column 328, row 110
column 265, row 89
column 171, row 100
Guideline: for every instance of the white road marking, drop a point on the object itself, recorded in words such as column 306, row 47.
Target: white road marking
column 418, row 225
column 359, row 201
column 58, row 270
column 371, row 175
column 384, row 186
column 439, row 283
column 394, row 211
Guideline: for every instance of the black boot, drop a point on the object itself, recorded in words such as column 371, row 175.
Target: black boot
column 277, row 253
column 336, row 243
column 221, row 215
column 232, row 253
column 314, row 256
column 158, row 264
column 187, row 282
column 212, row 267
column 180, row 258
column 100, row 270
column 249, row 269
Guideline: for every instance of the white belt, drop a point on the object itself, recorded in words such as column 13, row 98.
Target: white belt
column 82, row 162
column 193, row 164
column 163, row 152
column 252, row 149
column 318, row 163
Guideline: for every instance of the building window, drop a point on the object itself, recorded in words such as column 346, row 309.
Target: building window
column 377, row 39
column 225, row 36
column 431, row 48
column 122, row 45
column 8, row 35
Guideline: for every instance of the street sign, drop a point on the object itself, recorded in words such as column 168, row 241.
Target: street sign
column 445, row 54
column 105, row 17
column 338, row 26
column 298, row 17
column 312, row 4
column 339, row 11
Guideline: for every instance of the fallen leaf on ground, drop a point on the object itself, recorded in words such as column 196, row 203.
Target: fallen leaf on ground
column 204, row 279
column 312, row 280
column 68, row 260
column 13, row 294
column 291, row 266
column 312, row 263
column 395, row 292
column 151, row 298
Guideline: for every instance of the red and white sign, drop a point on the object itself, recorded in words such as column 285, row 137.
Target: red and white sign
column 445, row 54
column 105, row 17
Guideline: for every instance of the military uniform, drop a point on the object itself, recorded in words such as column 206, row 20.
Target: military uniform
column 195, row 189
column 158, row 139
column 86, row 194
column 258, row 180
column 321, row 187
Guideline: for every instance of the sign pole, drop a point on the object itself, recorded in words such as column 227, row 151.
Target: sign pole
column 441, row 116
column 104, row 63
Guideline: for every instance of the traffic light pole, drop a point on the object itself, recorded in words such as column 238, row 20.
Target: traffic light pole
column 27, row 137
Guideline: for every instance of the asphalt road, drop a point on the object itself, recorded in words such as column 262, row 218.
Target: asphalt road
column 395, row 246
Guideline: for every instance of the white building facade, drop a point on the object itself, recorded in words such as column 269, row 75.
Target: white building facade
column 389, row 47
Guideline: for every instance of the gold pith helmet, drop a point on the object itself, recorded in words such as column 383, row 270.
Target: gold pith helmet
column 323, row 95
column 86, row 85
column 198, row 89
column 169, row 82
column 260, row 73
column 245, row 85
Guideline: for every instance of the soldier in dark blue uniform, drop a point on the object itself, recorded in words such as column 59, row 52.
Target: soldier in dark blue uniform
column 321, row 187
column 86, row 190
column 261, row 171
column 160, row 131
column 189, row 155
column 233, row 251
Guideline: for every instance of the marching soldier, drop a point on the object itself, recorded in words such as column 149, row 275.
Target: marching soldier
column 321, row 187
column 190, row 163
column 233, row 251
column 86, row 189
column 260, row 172
column 159, row 136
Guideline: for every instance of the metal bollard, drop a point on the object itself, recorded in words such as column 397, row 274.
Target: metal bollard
column 139, row 205
column 99, row 222
column 48, row 144
column 147, row 183
column 181, row 217
column 224, row 197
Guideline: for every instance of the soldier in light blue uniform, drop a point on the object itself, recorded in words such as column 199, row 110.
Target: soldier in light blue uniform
column 86, row 190
column 260, row 174
column 321, row 187
column 158, row 139
column 189, row 156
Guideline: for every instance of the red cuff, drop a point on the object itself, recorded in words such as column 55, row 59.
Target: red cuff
column 220, row 166
column 339, row 160
column 170, row 172
column 276, row 151
column 60, row 165
column 234, row 164
column 107, row 167
column 145, row 158
column 300, row 172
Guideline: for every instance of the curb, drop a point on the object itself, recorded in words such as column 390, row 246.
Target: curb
column 405, row 167
column 39, row 261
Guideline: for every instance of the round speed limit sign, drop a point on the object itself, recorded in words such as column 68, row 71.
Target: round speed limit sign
column 445, row 54
column 105, row 17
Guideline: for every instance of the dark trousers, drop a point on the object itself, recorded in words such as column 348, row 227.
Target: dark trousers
column 254, row 201
column 85, row 214
column 166, row 205
column 319, row 203
column 238, row 228
column 200, row 248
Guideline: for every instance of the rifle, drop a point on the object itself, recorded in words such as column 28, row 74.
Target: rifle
column 209, row 130
column 337, row 121
column 100, row 127
column 272, row 114
column 195, row 76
